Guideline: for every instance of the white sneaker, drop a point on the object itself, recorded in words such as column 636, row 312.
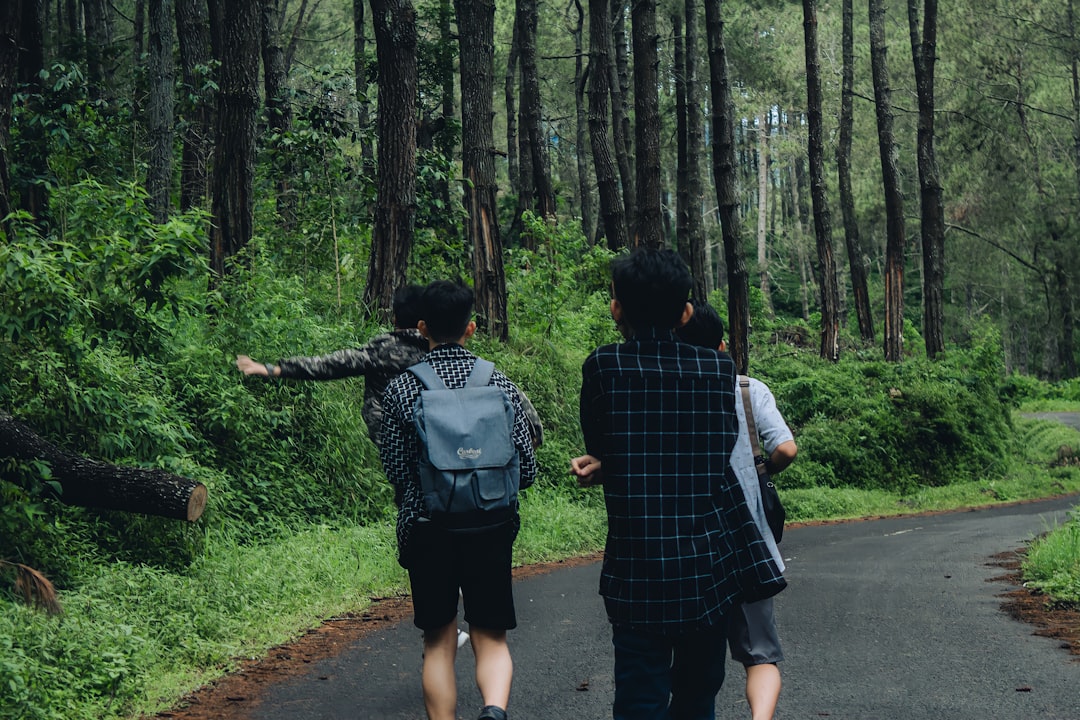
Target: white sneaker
column 462, row 638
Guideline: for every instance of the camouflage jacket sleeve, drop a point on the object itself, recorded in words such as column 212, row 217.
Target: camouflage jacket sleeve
column 389, row 352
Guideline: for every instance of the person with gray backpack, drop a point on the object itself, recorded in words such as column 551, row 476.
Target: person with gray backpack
column 457, row 446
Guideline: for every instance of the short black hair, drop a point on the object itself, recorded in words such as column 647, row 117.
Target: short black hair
column 652, row 286
column 407, row 306
column 447, row 309
column 705, row 328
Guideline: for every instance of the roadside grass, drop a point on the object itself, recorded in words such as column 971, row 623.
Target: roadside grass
column 1052, row 563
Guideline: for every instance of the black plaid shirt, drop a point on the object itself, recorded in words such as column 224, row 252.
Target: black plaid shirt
column 681, row 545
column 400, row 448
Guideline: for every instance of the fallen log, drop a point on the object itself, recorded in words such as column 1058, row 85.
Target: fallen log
column 97, row 484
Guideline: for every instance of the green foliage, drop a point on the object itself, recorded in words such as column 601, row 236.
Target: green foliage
column 1052, row 564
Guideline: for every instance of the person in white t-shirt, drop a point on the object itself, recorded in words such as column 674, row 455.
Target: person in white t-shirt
column 752, row 634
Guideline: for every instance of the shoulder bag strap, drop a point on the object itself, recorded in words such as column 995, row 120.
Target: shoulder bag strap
column 427, row 376
column 751, row 426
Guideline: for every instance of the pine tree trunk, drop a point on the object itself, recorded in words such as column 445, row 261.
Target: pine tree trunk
column 395, row 212
column 619, row 84
column 234, row 147
column 476, row 35
column 278, row 108
column 894, row 199
column 581, row 128
column 9, row 69
column 762, row 214
column 160, row 120
column 695, row 226
column 531, row 126
column 509, row 85
column 830, row 296
column 924, row 55
column 197, row 106
column 612, row 214
column 856, row 257
column 363, row 107
column 648, row 224
column 727, row 201
column 93, row 483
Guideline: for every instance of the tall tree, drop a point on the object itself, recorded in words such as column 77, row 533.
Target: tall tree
column 762, row 212
column 924, row 55
column 695, row 224
column 160, row 117
column 581, row 127
column 197, row 101
column 830, row 295
column 648, row 223
column 613, row 219
column 725, row 172
column 856, row 256
column 97, row 24
column 621, row 132
column 395, row 211
column 34, row 193
column 509, row 97
column 363, row 107
column 894, row 197
column 476, row 36
column 234, row 140
column 532, row 126
column 9, row 72
column 278, row 107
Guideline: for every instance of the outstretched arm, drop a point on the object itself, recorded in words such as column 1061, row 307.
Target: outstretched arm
column 249, row 367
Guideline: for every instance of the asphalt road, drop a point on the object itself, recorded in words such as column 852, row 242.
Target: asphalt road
column 882, row 620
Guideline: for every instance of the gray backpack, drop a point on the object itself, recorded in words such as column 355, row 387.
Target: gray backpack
column 469, row 467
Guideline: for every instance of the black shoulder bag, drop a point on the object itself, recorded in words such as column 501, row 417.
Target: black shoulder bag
column 770, row 499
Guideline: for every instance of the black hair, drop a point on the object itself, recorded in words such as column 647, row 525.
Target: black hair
column 705, row 328
column 652, row 286
column 407, row 306
column 447, row 309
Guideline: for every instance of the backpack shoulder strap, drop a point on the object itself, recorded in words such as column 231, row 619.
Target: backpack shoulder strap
column 481, row 373
column 427, row 376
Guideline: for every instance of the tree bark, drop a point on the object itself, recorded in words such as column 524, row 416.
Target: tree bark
column 894, row 198
column 531, row 109
column 160, row 122
column 234, row 148
column 924, row 55
column 509, row 95
column 93, row 483
column 695, row 225
column 682, row 189
column 197, row 106
column 856, row 256
column 9, row 71
column 581, row 127
column 648, row 223
column 363, row 107
column 278, row 107
column 611, row 206
column 762, row 213
column 830, row 295
column 476, row 36
column 395, row 212
column 35, row 194
column 723, row 159
column 620, row 109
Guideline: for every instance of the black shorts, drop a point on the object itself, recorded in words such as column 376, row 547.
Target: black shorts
column 477, row 564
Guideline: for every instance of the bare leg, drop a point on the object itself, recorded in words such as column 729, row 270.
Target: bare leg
column 494, row 667
column 762, row 690
column 440, row 686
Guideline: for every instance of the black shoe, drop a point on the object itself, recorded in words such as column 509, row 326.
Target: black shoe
column 492, row 712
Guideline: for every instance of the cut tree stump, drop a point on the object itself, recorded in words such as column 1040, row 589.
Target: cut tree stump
column 97, row 484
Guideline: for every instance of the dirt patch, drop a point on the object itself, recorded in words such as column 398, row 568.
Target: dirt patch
column 1055, row 620
column 233, row 696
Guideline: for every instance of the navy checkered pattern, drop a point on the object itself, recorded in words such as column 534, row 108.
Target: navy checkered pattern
column 400, row 444
column 681, row 545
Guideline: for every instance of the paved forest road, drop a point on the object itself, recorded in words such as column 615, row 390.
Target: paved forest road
column 894, row 619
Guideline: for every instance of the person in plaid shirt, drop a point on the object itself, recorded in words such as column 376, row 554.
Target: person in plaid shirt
column 440, row 562
column 659, row 423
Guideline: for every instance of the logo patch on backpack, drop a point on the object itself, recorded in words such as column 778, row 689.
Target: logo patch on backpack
column 469, row 467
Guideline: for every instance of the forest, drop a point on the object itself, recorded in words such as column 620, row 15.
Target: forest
column 880, row 198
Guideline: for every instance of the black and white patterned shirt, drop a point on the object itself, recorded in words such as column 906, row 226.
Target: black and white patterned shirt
column 381, row 360
column 400, row 447
column 681, row 545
